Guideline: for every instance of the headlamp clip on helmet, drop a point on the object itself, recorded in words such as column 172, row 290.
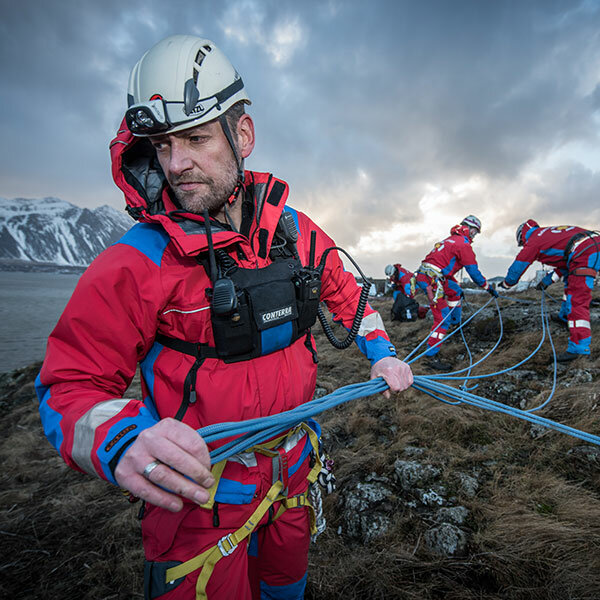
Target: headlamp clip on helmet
column 158, row 115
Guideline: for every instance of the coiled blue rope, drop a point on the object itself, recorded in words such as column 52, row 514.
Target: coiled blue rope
column 248, row 433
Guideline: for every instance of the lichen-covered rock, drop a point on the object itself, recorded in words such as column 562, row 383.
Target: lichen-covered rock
column 366, row 495
column 412, row 474
column 468, row 484
column 431, row 497
column 456, row 515
column 589, row 454
column 446, row 539
column 413, row 451
column 366, row 509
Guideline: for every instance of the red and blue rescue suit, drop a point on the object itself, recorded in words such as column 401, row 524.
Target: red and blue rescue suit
column 147, row 289
column 400, row 282
column 436, row 278
column 574, row 254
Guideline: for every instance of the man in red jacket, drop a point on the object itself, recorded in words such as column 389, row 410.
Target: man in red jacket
column 201, row 293
column 436, row 278
column 405, row 307
column 574, row 255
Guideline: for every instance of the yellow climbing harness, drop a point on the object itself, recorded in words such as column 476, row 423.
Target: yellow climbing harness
column 227, row 544
column 437, row 281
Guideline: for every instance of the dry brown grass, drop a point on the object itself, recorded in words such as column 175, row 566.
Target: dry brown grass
column 534, row 523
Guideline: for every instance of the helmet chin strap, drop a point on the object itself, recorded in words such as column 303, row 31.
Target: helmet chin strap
column 239, row 162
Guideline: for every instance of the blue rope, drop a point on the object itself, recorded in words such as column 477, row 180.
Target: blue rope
column 248, row 433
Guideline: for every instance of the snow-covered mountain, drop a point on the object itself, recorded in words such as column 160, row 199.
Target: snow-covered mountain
column 50, row 230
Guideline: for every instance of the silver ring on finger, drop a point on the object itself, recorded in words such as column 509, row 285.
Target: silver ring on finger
column 150, row 467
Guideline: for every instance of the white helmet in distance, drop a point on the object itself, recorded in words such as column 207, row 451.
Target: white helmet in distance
column 472, row 221
column 181, row 82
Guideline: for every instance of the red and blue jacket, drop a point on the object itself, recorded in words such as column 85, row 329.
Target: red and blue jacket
column 400, row 280
column 548, row 245
column 455, row 252
column 150, row 283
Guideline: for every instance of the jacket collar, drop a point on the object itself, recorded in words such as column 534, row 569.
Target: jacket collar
column 137, row 173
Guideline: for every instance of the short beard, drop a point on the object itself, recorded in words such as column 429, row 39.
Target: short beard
column 214, row 195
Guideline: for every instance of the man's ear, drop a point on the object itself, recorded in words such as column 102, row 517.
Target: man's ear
column 245, row 131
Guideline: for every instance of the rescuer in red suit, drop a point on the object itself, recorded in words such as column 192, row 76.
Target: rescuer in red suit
column 436, row 278
column 574, row 255
column 239, row 529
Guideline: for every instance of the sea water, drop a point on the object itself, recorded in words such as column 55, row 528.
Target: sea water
column 30, row 305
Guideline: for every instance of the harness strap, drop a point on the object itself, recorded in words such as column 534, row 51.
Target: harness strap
column 584, row 272
column 217, row 471
column 225, row 546
column 200, row 351
column 577, row 239
column 299, row 501
column 430, row 270
column 435, row 289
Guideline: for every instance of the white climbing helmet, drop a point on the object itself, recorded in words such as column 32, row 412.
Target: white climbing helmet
column 181, row 82
column 389, row 270
column 472, row 221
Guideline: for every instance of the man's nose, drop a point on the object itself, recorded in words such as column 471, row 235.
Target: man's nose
column 179, row 158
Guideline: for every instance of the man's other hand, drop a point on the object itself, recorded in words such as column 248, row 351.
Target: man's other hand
column 397, row 374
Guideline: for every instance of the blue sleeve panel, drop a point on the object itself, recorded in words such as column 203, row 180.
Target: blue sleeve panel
column 475, row 274
column 50, row 418
column 147, row 371
column 119, row 436
column 375, row 349
column 547, row 280
column 515, row 271
column 125, row 431
column 150, row 239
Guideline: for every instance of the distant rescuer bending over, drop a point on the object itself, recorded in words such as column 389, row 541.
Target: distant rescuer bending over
column 405, row 307
column 436, row 278
column 209, row 309
column 574, row 254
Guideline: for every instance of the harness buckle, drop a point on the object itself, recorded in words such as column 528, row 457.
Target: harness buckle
column 226, row 538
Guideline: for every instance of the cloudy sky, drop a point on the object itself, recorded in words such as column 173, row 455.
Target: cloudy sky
column 390, row 120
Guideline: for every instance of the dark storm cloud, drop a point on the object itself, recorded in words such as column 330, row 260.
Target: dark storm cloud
column 358, row 105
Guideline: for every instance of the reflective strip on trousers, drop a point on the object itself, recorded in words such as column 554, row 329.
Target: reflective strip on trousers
column 580, row 323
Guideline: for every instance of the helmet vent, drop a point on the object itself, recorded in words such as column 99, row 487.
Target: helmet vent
column 199, row 57
column 198, row 62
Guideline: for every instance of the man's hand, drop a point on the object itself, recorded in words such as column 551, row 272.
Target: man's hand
column 183, row 469
column 541, row 285
column 504, row 285
column 397, row 374
column 492, row 291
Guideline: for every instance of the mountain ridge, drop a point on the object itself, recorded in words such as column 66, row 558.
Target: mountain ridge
column 51, row 231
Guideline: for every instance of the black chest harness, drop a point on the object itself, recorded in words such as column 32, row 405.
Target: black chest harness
column 257, row 311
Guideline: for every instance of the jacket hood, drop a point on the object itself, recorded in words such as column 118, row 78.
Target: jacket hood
column 461, row 230
column 137, row 172
column 528, row 228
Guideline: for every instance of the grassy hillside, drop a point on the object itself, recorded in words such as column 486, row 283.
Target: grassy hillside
column 432, row 501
